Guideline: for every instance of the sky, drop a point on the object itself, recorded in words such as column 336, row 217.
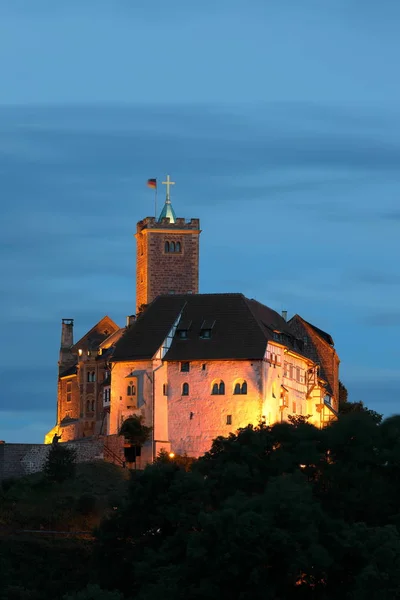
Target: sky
column 278, row 120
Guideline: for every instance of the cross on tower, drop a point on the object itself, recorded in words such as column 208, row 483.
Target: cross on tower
column 168, row 183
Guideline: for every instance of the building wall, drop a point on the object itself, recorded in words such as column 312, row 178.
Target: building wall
column 123, row 406
column 160, row 272
column 321, row 353
column 195, row 420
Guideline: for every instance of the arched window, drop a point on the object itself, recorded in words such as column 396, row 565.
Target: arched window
column 92, row 406
column 218, row 388
column 178, row 247
column 185, row 389
column 240, row 387
column 166, row 247
column 87, row 405
column 89, row 376
column 93, row 376
column 172, row 247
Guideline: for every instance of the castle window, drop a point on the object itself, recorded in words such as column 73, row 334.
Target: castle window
column 165, row 389
column 91, row 376
column 166, row 247
column 69, row 391
column 229, row 419
column 206, row 328
column 203, row 367
column 178, row 247
column 218, row 388
column 185, row 367
column 185, row 389
column 92, row 406
column 240, row 388
column 131, row 389
column 172, row 247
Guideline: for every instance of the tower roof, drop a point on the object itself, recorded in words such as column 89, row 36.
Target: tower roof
column 168, row 212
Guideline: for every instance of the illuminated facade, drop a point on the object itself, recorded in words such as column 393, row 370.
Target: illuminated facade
column 194, row 366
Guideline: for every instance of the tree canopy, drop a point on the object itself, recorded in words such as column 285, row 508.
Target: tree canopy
column 281, row 512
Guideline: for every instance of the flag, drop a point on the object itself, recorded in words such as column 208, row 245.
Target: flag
column 152, row 183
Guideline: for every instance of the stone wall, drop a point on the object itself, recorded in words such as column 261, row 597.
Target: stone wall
column 17, row 460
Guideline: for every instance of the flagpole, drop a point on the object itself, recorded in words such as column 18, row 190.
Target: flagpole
column 155, row 202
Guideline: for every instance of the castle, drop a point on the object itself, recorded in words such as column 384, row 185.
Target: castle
column 194, row 366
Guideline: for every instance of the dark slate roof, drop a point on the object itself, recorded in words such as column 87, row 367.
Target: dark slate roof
column 240, row 329
column 69, row 371
column 143, row 338
column 325, row 336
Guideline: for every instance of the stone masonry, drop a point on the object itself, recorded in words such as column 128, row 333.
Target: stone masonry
column 159, row 271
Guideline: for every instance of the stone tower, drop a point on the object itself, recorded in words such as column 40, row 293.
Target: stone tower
column 167, row 255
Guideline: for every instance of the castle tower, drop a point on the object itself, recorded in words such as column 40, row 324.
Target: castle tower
column 167, row 255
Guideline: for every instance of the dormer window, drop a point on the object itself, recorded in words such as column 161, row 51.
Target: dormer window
column 206, row 329
column 182, row 331
column 277, row 336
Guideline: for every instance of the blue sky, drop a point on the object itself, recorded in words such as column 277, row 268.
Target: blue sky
column 279, row 122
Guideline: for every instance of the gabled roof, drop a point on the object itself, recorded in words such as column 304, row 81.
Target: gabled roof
column 97, row 334
column 322, row 334
column 241, row 328
column 325, row 336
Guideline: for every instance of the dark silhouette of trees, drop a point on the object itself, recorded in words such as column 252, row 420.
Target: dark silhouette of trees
column 283, row 512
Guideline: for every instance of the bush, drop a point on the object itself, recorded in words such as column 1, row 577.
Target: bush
column 94, row 592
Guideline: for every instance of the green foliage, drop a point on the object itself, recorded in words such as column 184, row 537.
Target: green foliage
column 60, row 463
column 280, row 513
column 134, row 430
column 296, row 420
column 94, row 592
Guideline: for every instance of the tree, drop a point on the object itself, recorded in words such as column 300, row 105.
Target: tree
column 288, row 512
column 60, row 463
column 134, row 430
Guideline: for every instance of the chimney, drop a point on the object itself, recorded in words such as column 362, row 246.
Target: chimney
column 130, row 320
column 67, row 333
column 67, row 341
column 284, row 315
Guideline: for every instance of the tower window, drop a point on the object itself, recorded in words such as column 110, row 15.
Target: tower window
column 185, row 367
column 172, row 247
column 166, row 247
column 69, row 392
column 185, row 389
column 203, row 367
column 229, row 419
column 165, row 389
column 178, row 247
column 91, row 376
